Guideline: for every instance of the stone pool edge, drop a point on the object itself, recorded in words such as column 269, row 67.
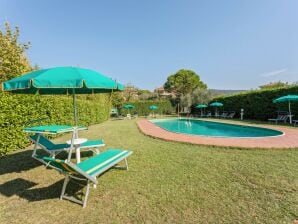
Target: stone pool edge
column 288, row 140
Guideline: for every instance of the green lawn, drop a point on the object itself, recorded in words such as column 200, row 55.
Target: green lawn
column 167, row 183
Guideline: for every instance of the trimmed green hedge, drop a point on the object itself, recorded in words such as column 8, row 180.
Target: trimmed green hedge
column 142, row 107
column 18, row 110
column 258, row 104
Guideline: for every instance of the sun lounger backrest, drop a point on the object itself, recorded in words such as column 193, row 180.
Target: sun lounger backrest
column 224, row 114
column 57, row 164
column 65, row 167
column 283, row 117
column 231, row 115
column 42, row 141
column 47, row 144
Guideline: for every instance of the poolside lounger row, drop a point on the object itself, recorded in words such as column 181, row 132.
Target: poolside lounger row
column 88, row 170
column 223, row 115
column 228, row 115
column 279, row 118
column 207, row 115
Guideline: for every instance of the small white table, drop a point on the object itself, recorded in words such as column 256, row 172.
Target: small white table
column 77, row 143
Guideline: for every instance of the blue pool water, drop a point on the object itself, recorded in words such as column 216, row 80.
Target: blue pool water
column 215, row 129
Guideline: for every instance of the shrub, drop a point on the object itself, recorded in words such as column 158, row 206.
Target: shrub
column 17, row 110
column 142, row 107
column 258, row 104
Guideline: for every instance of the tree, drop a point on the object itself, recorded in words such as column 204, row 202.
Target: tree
column 13, row 61
column 117, row 99
column 186, row 101
column 130, row 92
column 143, row 91
column 275, row 85
column 201, row 96
column 183, row 82
column 198, row 96
column 147, row 95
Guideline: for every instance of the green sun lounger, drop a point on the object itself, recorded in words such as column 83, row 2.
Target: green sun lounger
column 88, row 170
column 53, row 149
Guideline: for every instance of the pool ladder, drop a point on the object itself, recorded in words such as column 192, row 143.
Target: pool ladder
column 188, row 123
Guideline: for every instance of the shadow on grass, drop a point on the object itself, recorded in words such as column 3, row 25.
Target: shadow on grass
column 13, row 187
column 17, row 162
column 24, row 189
column 23, row 161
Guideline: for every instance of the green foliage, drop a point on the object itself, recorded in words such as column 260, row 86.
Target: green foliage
column 275, row 85
column 143, row 91
column 17, row 111
column 130, row 92
column 198, row 96
column 142, row 107
column 147, row 95
column 13, row 61
column 117, row 99
column 258, row 104
column 183, row 82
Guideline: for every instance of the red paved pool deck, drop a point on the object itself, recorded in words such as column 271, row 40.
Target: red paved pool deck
column 288, row 140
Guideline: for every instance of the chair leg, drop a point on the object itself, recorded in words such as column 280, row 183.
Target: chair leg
column 35, row 146
column 123, row 167
column 53, row 155
column 126, row 164
column 86, row 194
column 82, row 202
column 66, row 180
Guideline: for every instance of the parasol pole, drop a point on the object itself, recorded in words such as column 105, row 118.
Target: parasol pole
column 290, row 112
column 74, row 107
column 75, row 113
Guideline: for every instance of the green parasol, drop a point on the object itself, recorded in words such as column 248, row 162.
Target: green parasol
column 62, row 80
column 287, row 99
column 201, row 106
column 216, row 104
column 128, row 106
column 153, row 107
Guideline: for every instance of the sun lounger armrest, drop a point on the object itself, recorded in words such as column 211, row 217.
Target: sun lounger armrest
column 92, row 144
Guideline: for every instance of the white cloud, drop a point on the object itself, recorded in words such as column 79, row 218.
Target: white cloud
column 274, row 73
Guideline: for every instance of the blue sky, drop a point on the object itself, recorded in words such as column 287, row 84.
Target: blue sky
column 231, row 44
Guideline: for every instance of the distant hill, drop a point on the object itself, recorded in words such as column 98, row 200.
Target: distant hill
column 225, row 91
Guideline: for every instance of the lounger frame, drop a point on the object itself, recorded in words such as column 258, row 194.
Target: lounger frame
column 53, row 153
column 90, row 179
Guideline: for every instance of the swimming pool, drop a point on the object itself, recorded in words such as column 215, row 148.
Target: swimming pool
column 214, row 129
